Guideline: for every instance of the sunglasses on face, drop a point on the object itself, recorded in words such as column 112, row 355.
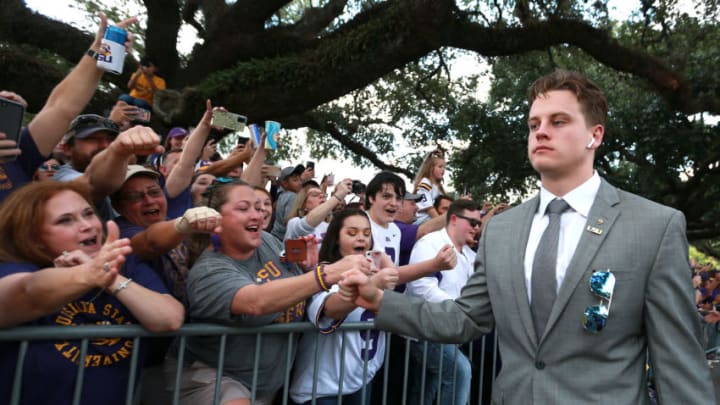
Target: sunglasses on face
column 472, row 221
column 45, row 167
column 137, row 196
column 602, row 284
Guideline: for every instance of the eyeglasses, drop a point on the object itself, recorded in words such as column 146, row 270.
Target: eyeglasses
column 602, row 284
column 473, row 222
column 45, row 167
column 137, row 196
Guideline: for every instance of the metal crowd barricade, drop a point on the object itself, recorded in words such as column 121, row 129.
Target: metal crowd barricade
column 28, row 334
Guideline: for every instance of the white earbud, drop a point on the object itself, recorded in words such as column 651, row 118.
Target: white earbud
column 590, row 145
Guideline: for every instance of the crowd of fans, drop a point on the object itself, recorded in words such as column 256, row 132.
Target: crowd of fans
column 706, row 279
column 106, row 222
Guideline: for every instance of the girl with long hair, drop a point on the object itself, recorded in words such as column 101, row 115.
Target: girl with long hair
column 428, row 184
column 348, row 235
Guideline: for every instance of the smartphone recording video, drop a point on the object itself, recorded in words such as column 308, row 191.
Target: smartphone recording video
column 228, row 120
column 11, row 119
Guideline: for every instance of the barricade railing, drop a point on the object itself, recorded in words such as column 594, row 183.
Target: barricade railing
column 482, row 354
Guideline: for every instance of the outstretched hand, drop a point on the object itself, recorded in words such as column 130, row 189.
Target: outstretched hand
column 358, row 288
column 199, row 220
column 386, row 279
column 446, row 258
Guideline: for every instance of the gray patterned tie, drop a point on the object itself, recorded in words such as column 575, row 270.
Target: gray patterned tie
column 543, row 281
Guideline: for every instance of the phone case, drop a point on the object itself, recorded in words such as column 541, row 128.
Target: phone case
column 229, row 120
column 272, row 129
column 295, row 250
column 11, row 119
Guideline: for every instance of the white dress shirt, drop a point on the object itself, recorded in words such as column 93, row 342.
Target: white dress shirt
column 433, row 288
column 572, row 223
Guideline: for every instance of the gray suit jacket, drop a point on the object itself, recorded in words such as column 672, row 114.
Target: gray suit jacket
column 644, row 245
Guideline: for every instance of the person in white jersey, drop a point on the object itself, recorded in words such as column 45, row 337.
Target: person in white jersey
column 348, row 234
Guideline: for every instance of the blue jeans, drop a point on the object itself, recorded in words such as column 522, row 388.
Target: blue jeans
column 455, row 379
column 138, row 102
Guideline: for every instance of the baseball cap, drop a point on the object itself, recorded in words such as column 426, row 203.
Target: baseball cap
column 133, row 170
column 411, row 196
column 177, row 131
column 289, row 171
column 87, row 124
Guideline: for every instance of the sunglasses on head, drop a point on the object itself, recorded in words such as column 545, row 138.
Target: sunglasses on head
column 86, row 121
column 602, row 284
column 45, row 167
column 472, row 221
column 217, row 182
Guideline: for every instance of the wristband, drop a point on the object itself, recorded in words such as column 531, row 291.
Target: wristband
column 123, row 285
column 320, row 277
column 91, row 53
column 338, row 198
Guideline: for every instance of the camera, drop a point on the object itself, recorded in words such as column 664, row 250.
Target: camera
column 358, row 187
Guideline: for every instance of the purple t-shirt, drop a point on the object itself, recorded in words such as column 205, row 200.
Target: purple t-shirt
column 19, row 172
column 51, row 366
column 408, row 236
column 177, row 206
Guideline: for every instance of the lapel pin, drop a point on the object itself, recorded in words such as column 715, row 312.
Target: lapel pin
column 600, row 221
column 596, row 231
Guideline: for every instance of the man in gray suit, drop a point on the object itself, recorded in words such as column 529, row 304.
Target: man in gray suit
column 621, row 287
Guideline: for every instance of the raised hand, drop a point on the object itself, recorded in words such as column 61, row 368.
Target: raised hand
column 122, row 24
column 138, row 140
column 13, row 97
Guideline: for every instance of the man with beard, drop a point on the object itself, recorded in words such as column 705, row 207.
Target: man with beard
column 92, row 135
